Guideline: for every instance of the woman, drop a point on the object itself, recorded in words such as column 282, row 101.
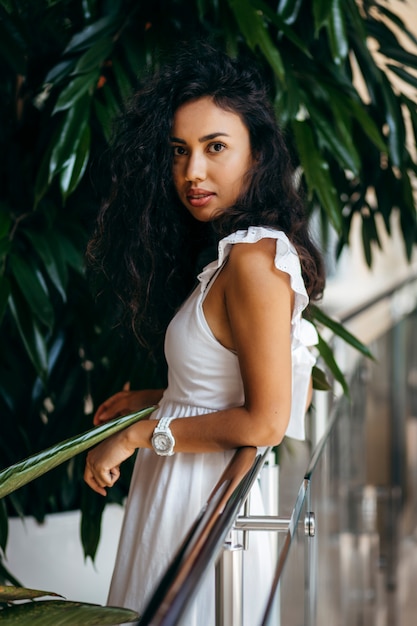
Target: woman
column 199, row 158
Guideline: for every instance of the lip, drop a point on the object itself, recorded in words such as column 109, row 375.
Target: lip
column 199, row 197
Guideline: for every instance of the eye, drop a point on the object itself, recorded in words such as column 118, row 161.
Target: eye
column 216, row 147
column 179, row 150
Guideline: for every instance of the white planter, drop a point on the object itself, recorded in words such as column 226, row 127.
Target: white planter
column 49, row 556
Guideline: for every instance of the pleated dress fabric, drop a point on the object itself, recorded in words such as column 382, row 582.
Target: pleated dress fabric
column 167, row 493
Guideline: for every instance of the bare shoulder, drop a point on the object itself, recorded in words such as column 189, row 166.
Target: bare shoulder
column 255, row 260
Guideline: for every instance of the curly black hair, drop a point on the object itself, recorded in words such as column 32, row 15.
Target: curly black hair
column 146, row 245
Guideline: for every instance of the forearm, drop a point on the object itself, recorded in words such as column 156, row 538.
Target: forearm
column 220, row 430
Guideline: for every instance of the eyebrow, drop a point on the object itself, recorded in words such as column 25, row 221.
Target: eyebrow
column 201, row 139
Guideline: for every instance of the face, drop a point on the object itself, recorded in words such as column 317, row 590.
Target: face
column 212, row 154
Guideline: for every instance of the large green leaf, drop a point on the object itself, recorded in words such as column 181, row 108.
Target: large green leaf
column 9, row 593
column 339, row 330
column 79, row 87
column 339, row 143
column 395, row 121
column 395, row 19
column 45, row 244
column 94, row 57
column 256, row 34
column 279, row 22
column 71, row 135
column 408, row 78
column 321, row 10
column 289, row 10
column 92, row 507
column 64, row 613
column 320, row 382
column 336, row 29
column 317, row 174
column 327, row 355
column 74, row 168
column 25, row 471
column 33, row 288
column 30, row 333
column 101, row 28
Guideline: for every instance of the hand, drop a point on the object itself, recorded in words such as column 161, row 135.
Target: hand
column 126, row 402
column 102, row 468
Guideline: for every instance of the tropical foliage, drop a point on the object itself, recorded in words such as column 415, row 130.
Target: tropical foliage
column 18, row 605
column 68, row 67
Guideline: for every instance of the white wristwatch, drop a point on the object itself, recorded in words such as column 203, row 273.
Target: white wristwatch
column 163, row 441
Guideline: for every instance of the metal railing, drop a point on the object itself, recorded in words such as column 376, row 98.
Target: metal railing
column 210, row 541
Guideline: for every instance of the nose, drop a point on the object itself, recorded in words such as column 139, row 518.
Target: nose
column 196, row 169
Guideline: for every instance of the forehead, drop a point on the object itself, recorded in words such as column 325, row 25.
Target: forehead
column 204, row 116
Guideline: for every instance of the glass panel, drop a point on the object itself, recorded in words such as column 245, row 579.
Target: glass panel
column 362, row 489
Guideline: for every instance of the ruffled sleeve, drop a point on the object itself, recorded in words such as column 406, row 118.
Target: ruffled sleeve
column 303, row 333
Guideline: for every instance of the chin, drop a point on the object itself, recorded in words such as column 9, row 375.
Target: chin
column 208, row 215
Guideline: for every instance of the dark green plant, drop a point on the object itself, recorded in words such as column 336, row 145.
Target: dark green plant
column 16, row 603
column 67, row 68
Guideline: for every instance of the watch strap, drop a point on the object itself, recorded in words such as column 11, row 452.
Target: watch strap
column 163, row 425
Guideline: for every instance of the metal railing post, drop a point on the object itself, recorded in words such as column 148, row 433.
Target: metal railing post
column 229, row 585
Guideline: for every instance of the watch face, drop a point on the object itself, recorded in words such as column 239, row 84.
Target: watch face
column 162, row 443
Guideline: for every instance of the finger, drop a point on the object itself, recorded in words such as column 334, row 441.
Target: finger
column 114, row 475
column 110, row 409
column 92, row 483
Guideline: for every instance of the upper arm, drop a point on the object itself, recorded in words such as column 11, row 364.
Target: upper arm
column 259, row 302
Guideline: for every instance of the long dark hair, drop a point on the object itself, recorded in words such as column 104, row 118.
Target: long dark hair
column 146, row 246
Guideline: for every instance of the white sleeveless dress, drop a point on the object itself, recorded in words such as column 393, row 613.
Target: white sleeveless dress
column 167, row 493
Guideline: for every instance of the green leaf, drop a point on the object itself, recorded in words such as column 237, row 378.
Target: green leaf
column 107, row 112
column 98, row 30
column 47, row 247
column 8, row 593
column 394, row 119
column 358, row 111
column 400, row 55
column 124, row 84
column 317, row 174
column 64, row 613
column 71, row 135
column 336, row 29
column 33, row 288
column 320, row 382
column 339, row 143
column 395, row 19
column 283, row 28
column 73, row 170
column 408, row 78
column 339, row 330
column 256, row 34
column 94, row 57
column 72, row 255
column 321, row 11
column 25, row 471
column 92, row 506
column 80, row 86
column 327, row 355
column 289, row 10
column 30, row 334
column 60, row 71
